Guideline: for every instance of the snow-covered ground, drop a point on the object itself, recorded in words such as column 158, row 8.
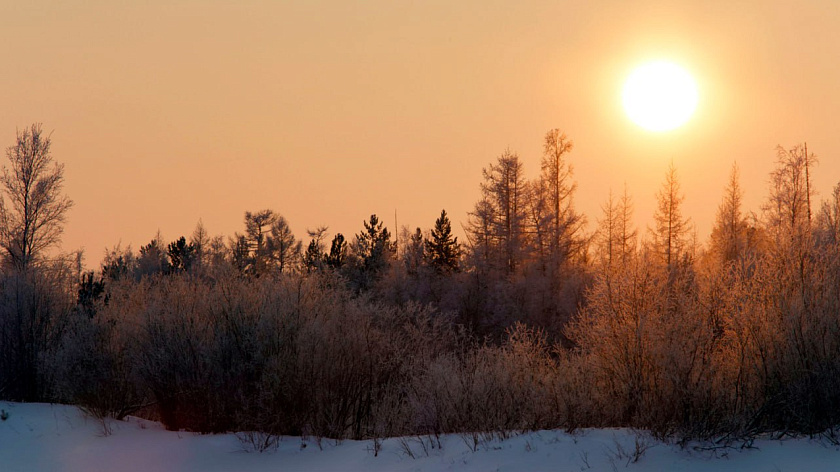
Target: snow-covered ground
column 41, row 437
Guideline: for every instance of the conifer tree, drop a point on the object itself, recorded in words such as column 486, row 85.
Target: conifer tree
column 729, row 233
column 181, row 255
column 564, row 222
column 671, row 230
column 442, row 250
column 373, row 251
column 338, row 252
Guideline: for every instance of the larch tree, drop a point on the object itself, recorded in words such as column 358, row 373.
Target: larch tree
column 504, row 189
column 257, row 228
column 284, row 250
column 200, row 241
column 607, row 229
column 313, row 258
column 671, row 230
column 413, row 250
column 33, row 209
column 627, row 233
column 828, row 220
column 615, row 237
column 564, row 222
column 788, row 210
column 729, row 234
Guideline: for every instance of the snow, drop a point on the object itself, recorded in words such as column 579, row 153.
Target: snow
column 43, row 437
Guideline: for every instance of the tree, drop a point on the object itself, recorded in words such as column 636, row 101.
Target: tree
column 670, row 233
column 497, row 225
column 729, row 235
column 564, row 222
column 240, row 256
column 413, row 254
column 338, row 252
column 153, row 258
column 200, row 241
column 32, row 210
column 257, row 226
column 313, row 258
column 181, row 255
column 442, row 250
column 828, row 220
column 285, row 251
column 372, row 251
column 789, row 209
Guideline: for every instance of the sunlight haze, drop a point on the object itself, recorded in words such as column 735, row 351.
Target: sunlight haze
column 164, row 113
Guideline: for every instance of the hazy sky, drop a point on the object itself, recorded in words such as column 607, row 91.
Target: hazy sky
column 164, row 112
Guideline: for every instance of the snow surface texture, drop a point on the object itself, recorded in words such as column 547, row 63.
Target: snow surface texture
column 42, row 437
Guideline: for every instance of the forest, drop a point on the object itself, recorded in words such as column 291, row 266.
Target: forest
column 530, row 322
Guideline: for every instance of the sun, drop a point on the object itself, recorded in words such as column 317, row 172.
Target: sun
column 659, row 96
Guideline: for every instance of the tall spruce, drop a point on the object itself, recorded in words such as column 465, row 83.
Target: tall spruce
column 442, row 250
column 372, row 250
column 338, row 252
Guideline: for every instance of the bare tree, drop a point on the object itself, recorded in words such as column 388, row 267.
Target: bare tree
column 285, row 250
column 788, row 211
column 615, row 237
column 33, row 209
column 671, row 230
column 257, row 227
column 504, row 188
column 565, row 222
column 729, row 235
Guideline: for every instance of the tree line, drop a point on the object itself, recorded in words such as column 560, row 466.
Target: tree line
column 531, row 322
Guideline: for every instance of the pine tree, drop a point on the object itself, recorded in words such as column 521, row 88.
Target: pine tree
column 313, row 258
column 373, row 251
column 442, row 250
column 338, row 253
column 181, row 255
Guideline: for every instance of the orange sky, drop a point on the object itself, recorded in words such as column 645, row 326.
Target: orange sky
column 164, row 112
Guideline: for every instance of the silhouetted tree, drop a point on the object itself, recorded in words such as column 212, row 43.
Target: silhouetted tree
column 442, row 250
column 89, row 293
column 564, row 223
column 201, row 242
column 284, row 249
column 497, row 225
column 313, row 258
column 32, row 207
column 240, row 254
column 181, row 255
column 372, row 251
column 257, row 226
column 338, row 252
column 118, row 263
column 153, row 258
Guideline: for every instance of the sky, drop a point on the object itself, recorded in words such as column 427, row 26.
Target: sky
column 165, row 112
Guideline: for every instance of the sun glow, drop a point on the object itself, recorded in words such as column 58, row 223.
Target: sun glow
column 660, row 96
